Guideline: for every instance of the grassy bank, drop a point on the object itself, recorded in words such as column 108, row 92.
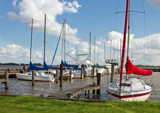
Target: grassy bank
column 26, row 104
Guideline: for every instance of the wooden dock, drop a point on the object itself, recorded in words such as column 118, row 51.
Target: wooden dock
column 5, row 80
column 10, row 72
column 85, row 89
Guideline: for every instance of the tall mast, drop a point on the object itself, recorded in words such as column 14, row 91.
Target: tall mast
column 90, row 46
column 104, row 51
column 31, row 40
column 124, row 42
column 98, row 55
column 94, row 48
column 110, row 49
column 129, row 15
column 44, row 37
column 64, row 36
column 62, row 51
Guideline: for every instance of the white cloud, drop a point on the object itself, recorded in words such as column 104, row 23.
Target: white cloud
column 17, row 54
column 155, row 3
column 14, row 53
column 142, row 50
column 36, row 9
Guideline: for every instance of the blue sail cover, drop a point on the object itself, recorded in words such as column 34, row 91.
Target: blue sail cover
column 33, row 67
column 65, row 64
column 45, row 66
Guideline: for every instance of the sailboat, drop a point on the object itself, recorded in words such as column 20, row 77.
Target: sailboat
column 129, row 88
column 41, row 73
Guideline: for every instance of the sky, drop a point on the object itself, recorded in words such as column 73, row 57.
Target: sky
column 82, row 17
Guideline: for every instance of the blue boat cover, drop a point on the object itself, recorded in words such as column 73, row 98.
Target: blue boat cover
column 49, row 67
column 33, row 67
column 65, row 64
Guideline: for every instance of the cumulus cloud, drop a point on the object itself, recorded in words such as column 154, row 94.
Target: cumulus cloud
column 155, row 3
column 141, row 49
column 18, row 54
column 11, row 53
column 36, row 9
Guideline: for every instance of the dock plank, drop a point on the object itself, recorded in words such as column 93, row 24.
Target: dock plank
column 90, row 87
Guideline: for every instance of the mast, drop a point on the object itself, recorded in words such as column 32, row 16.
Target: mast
column 31, row 40
column 98, row 54
column 90, row 46
column 129, row 15
column 63, row 52
column 64, row 36
column 44, row 37
column 94, row 48
column 124, row 42
column 104, row 51
column 110, row 49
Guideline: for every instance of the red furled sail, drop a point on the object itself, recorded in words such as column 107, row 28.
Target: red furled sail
column 131, row 69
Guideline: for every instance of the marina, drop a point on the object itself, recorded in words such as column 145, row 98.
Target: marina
column 74, row 88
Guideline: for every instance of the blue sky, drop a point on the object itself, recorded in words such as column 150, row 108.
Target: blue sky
column 83, row 16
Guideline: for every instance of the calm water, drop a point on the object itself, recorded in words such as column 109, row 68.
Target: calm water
column 10, row 66
column 47, row 89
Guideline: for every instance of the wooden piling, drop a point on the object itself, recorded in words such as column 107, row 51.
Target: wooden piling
column 112, row 73
column 98, row 81
column 6, row 77
column 88, row 94
column 85, row 93
column 33, row 77
column 78, row 96
column 61, row 74
column 81, row 71
column 93, row 70
column 70, row 77
column 93, row 91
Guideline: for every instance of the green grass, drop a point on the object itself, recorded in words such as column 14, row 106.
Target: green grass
column 26, row 104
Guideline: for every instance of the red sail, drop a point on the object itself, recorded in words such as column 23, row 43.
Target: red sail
column 130, row 68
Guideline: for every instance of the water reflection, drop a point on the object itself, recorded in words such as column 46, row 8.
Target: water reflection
column 49, row 89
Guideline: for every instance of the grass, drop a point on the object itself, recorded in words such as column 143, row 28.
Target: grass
column 27, row 104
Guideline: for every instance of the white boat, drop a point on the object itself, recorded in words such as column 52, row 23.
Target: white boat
column 132, row 89
column 43, row 76
column 129, row 88
column 87, row 69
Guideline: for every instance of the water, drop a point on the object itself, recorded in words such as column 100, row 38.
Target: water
column 11, row 66
column 48, row 89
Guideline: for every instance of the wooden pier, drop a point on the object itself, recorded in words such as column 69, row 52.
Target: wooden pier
column 4, row 80
column 85, row 89
column 10, row 72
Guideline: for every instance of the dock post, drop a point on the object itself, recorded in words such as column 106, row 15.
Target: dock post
column 93, row 70
column 112, row 73
column 33, row 77
column 61, row 74
column 57, row 75
column 98, row 81
column 88, row 94
column 81, row 71
column 85, row 93
column 78, row 96
column 70, row 77
column 6, row 77
column 93, row 91
column 96, row 71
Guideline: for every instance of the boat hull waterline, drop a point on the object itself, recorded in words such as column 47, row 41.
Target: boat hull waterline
column 40, row 78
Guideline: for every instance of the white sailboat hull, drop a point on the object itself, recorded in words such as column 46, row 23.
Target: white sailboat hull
column 28, row 77
column 138, row 96
column 137, row 91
